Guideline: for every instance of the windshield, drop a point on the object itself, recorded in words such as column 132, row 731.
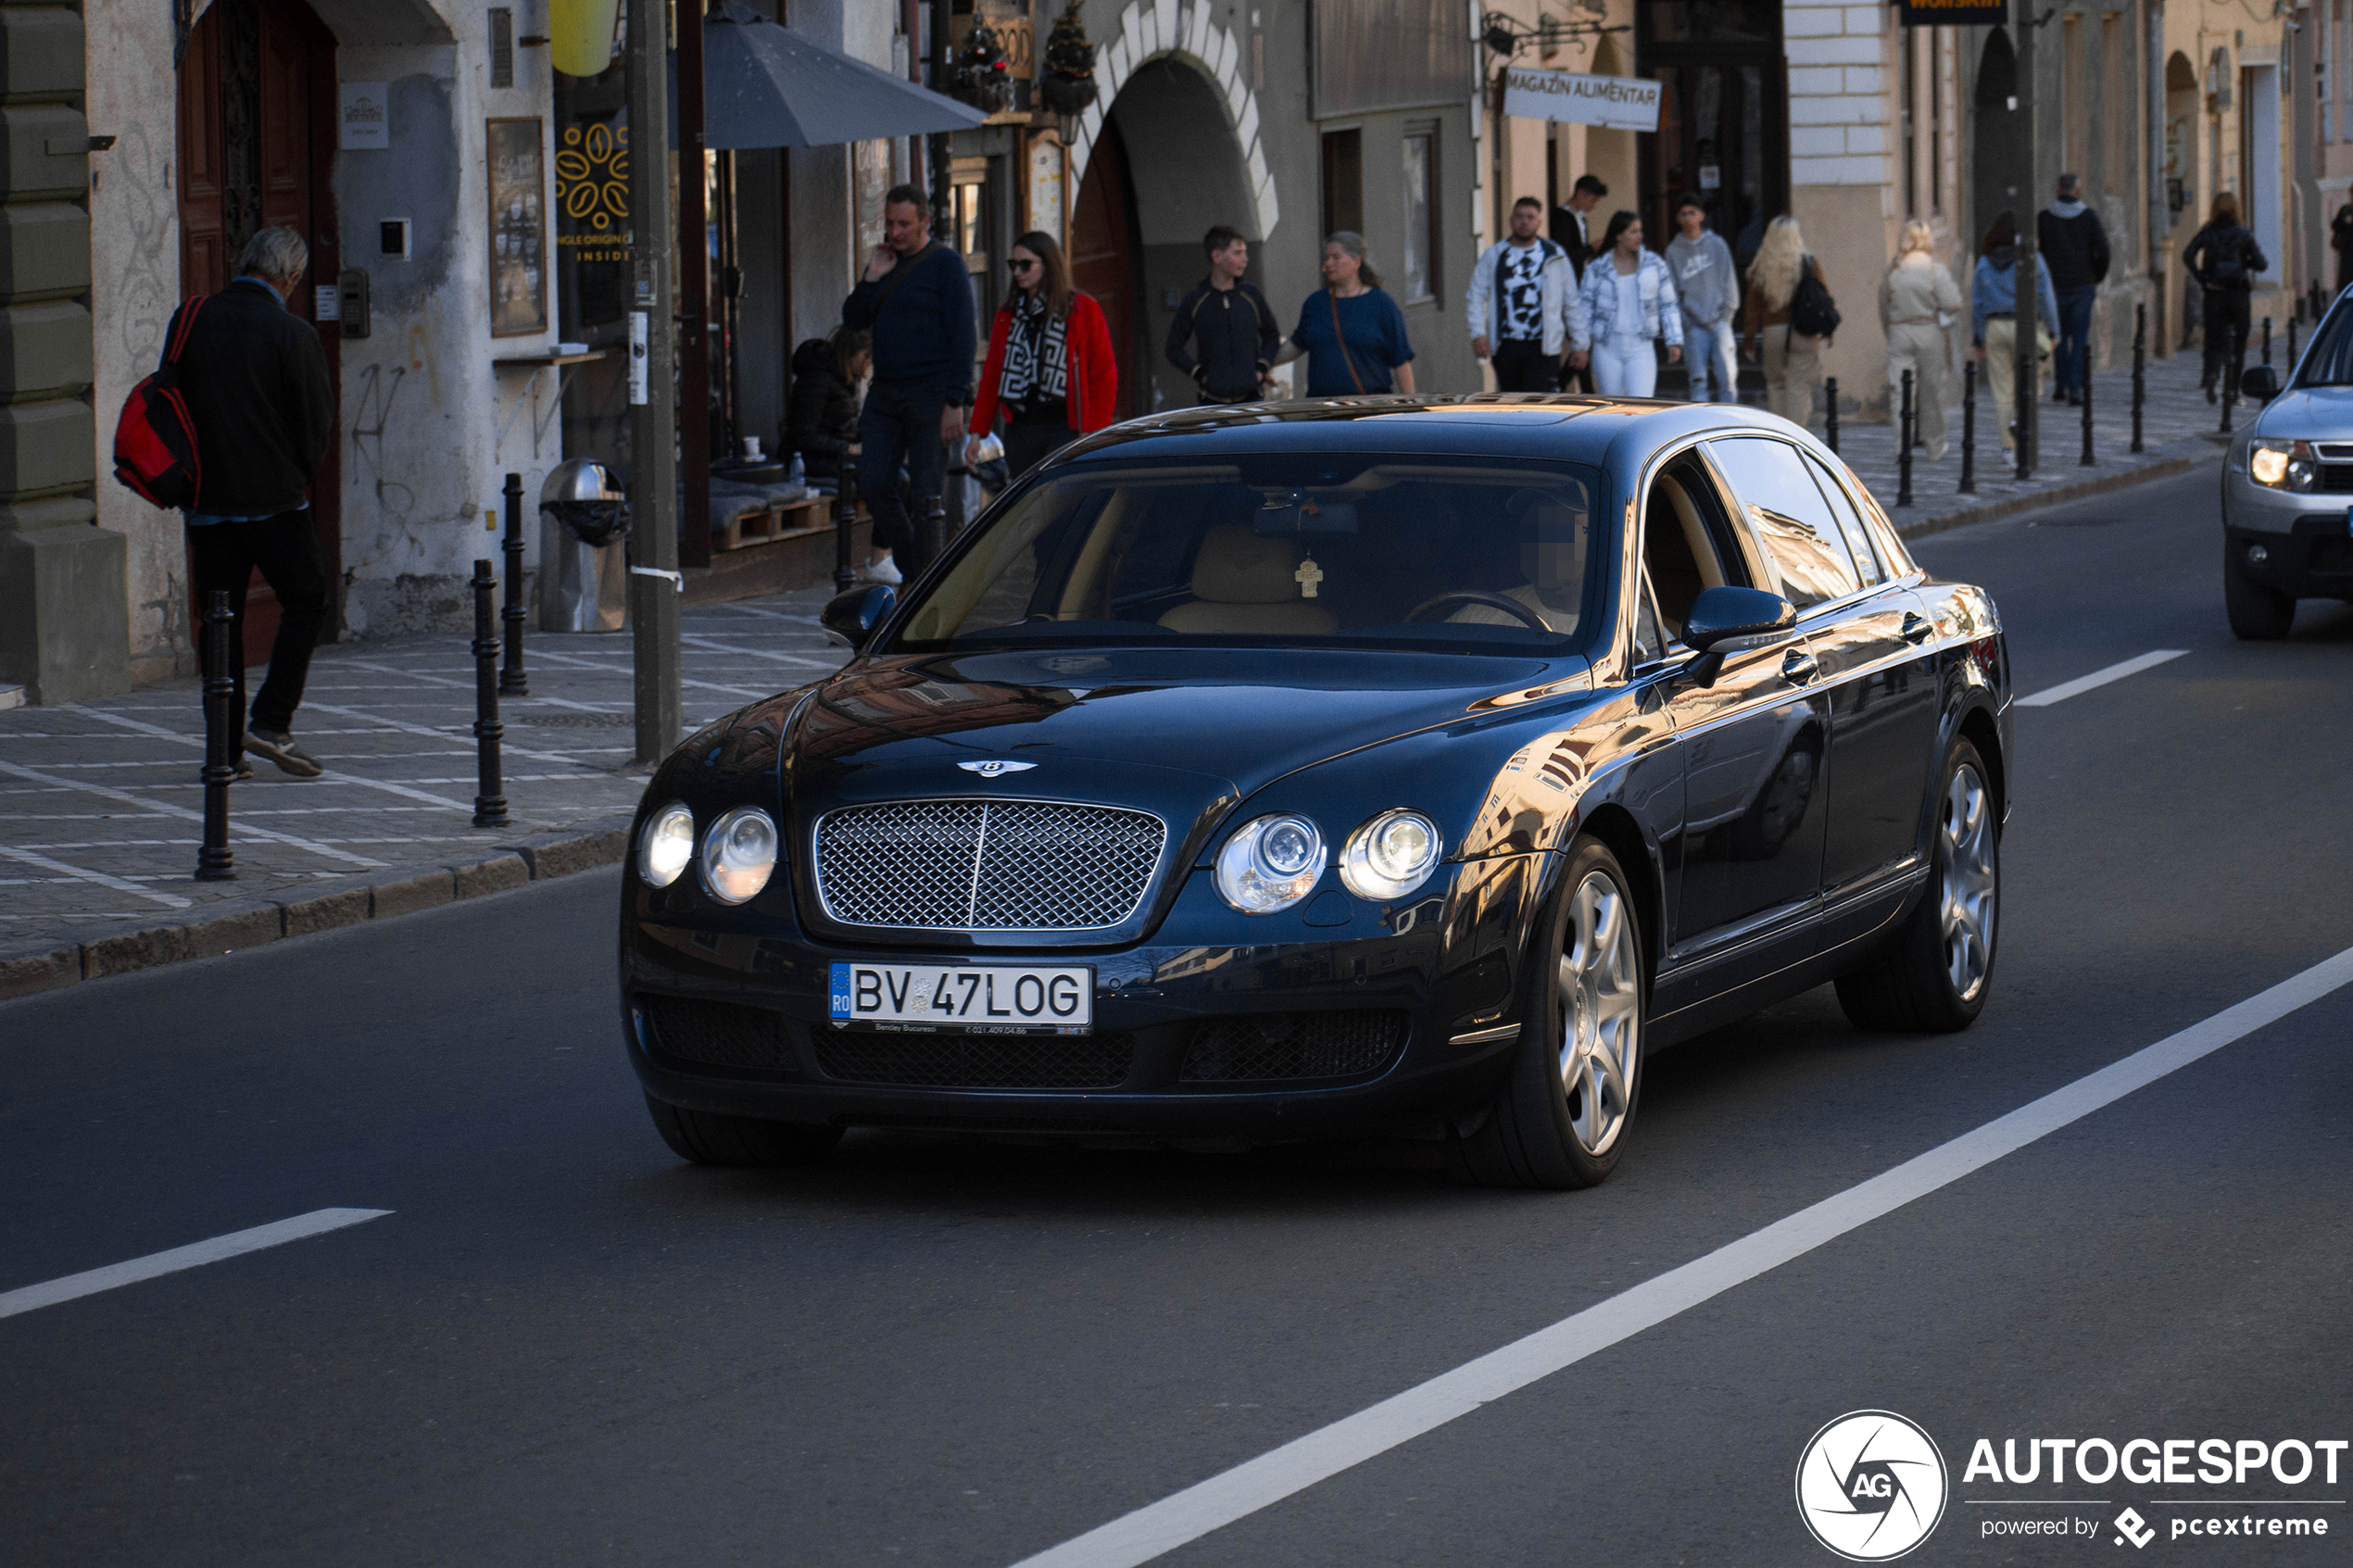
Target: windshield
column 2329, row 362
column 1479, row 555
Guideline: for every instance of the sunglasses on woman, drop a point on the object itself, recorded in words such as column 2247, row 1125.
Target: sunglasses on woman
column 1019, row 265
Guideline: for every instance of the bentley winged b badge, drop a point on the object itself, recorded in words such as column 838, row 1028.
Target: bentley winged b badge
column 994, row 767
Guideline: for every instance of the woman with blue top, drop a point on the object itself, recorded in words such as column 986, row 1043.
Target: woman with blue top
column 1993, row 320
column 1624, row 303
column 1351, row 331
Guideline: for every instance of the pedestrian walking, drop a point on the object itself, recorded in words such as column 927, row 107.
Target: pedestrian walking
column 1351, row 332
column 1792, row 357
column 1625, row 306
column 917, row 301
column 1572, row 231
column 1707, row 291
column 255, row 379
column 2223, row 257
column 1993, row 320
column 2070, row 238
column 1050, row 368
column 1232, row 328
column 820, row 417
column 1918, row 300
column 1517, row 304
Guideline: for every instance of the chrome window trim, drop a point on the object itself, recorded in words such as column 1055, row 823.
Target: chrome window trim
column 1143, row 897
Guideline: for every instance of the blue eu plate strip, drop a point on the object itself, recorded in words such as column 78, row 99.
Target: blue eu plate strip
column 840, row 989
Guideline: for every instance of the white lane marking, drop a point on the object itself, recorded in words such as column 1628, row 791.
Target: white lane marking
column 2098, row 678
column 165, row 808
column 608, row 668
column 712, row 645
column 79, row 874
column 90, row 1282
column 458, row 731
column 1164, row 1526
column 383, row 786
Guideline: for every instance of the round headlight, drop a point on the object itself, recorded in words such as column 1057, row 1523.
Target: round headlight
column 667, row 845
column 1390, row 855
column 738, row 853
column 1270, row 864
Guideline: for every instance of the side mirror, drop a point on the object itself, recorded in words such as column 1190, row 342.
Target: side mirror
column 850, row 618
column 2261, row 383
column 1728, row 619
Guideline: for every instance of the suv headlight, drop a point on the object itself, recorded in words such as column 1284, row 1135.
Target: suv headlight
column 666, row 846
column 2284, row 465
column 1270, row 864
column 738, row 853
column 1390, row 855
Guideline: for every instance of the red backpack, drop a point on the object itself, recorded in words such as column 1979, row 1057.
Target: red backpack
column 155, row 442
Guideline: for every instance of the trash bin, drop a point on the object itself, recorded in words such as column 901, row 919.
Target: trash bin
column 584, row 565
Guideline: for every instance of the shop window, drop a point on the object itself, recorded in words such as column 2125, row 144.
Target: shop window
column 1344, row 180
column 1419, row 274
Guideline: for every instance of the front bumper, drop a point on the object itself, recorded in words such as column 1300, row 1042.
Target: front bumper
column 1235, row 1033
column 2300, row 545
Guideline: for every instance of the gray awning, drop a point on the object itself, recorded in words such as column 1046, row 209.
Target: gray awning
column 767, row 86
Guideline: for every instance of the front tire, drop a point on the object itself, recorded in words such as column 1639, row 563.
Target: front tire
column 2258, row 614
column 706, row 1137
column 1935, row 978
column 1563, row 1114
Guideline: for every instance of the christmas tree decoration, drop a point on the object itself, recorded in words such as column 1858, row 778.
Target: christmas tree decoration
column 1068, row 85
column 981, row 75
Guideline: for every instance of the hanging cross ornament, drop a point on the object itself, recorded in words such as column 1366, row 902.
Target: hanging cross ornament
column 1307, row 576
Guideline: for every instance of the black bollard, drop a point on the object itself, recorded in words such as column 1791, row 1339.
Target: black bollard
column 215, row 861
column 512, row 682
column 490, row 799
column 1903, row 431
column 2140, row 367
column 2290, row 345
column 1830, row 426
column 2267, row 340
column 1969, row 427
column 845, row 524
column 2087, row 460
column 2230, row 377
column 2318, row 299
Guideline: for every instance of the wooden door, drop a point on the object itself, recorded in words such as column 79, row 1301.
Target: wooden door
column 1103, row 254
column 257, row 101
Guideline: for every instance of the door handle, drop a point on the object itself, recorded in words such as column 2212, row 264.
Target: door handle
column 1799, row 666
column 1916, row 630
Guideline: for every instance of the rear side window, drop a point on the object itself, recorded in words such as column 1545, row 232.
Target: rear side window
column 1850, row 521
column 1792, row 522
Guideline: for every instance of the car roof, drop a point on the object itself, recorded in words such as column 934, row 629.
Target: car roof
column 1560, row 426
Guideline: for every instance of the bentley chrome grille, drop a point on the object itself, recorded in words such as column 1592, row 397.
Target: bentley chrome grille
column 986, row 865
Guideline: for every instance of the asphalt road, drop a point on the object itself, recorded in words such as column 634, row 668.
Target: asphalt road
column 563, row 1345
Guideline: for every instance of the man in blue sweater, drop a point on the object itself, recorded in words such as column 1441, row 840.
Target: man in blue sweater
column 917, row 301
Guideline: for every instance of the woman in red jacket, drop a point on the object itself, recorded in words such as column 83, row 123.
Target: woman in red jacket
column 1050, row 369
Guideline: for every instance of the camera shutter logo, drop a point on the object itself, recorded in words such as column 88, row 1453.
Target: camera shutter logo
column 1871, row 1486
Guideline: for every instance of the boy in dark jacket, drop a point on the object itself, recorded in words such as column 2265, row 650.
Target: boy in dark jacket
column 2074, row 246
column 2224, row 258
column 821, row 418
column 1231, row 322
column 255, row 378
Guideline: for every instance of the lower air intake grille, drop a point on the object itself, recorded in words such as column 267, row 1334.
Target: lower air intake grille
column 976, row 1061
column 1295, row 1045
column 720, row 1034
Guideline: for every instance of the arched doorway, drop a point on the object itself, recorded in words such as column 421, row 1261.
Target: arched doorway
column 257, row 149
column 1997, row 141
column 2184, row 197
column 1104, row 259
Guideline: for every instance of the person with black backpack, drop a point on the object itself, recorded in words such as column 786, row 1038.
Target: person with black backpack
column 2223, row 257
column 1789, row 318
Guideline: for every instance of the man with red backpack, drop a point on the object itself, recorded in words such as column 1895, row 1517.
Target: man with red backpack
column 253, row 379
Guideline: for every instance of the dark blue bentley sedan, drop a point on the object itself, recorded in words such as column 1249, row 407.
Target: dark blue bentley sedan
column 1418, row 765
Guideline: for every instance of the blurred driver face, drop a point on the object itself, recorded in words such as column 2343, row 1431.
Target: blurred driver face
column 1551, row 548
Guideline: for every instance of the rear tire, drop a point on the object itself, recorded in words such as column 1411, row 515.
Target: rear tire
column 706, row 1137
column 1563, row 1114
column 2258, row 614
column 1934, row 978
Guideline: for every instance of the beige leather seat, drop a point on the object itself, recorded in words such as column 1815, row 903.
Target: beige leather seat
column 1244, row 587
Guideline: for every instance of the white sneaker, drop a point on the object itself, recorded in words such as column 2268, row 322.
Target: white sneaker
column 882, row 570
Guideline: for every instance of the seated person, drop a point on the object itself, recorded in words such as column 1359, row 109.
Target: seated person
column 1552, row 538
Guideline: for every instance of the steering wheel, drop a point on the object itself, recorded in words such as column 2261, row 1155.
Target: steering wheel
column 1474, row 597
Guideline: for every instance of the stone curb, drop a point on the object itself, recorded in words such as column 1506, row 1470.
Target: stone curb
column 51, row 965
column 2009, row 506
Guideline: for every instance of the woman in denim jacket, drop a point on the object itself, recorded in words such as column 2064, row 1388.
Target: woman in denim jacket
column 1624, row 303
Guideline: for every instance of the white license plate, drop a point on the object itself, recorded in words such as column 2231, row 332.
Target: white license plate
column 988, row 999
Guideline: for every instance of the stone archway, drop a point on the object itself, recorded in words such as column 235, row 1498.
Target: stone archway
column 1997, row 141
column 1175, row 125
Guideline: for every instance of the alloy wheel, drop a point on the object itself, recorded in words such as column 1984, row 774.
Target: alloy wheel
column 1969, row 885
column 1601, row 1012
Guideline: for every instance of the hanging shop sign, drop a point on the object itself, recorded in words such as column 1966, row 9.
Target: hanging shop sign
column 518, row 227
column 1953, row 13
column 1616, row 103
